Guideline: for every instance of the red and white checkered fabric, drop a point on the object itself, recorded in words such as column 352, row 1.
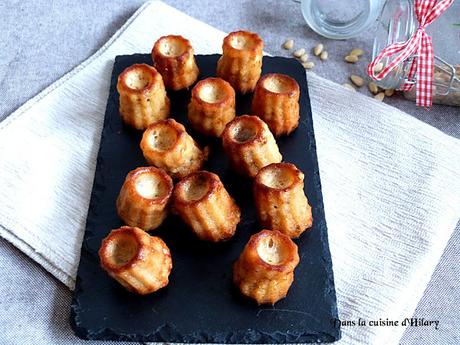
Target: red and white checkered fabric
column 419, row 46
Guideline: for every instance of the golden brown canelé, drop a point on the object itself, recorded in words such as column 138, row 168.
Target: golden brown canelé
column 144, row 198
column 204, row 204
column 276, row 101
column 241, row 60
column 138, row 261
column 280, row 199
column 143, row 98
column 166, row 145
column 249, row 145
column 265, row 269
column 212, row 106
column 173, row 57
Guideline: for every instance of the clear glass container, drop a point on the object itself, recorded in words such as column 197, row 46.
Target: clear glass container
column 397, row 23
column 340, row 19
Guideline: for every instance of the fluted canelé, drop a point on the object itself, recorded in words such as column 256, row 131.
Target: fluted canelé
column 204, row 204
column 280, row 199
column 166, row 145
column 212, row 106
column 249, row 145
column 138, row 261
column 144, row 198
column 241, row 60
column 143, row 98
column 265, row 269
column 173, row 57
column 276, row 101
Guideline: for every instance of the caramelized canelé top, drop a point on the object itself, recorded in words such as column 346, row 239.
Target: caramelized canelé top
column 122, row 248
column 272, row 250
column 172, row 47
column 238, row 41
column 244, row 130
column 196, row 187
column 138, row 78
column 162, row 136
column 214, row 92
column 278, row 84
column 278, row 177
column 152, row 184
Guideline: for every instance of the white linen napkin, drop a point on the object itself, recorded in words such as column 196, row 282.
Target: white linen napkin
column 391, row 184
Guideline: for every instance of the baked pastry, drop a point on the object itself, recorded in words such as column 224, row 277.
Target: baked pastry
column 280, row 199
column 250, row 145
column 143, row 98
column 204, row 204
column 166, row 145
column 138, row 261
column 212, row 106
column 265, row 269
column 173, row 57
column 276, row 101
column 144, row 198
column 241, row 60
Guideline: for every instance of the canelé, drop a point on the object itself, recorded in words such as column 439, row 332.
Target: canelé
column 212, row 106
column 144, row 198
column 143, row 98
column 280, row 199
column 241, row 60
column 265, row 269
column 173, row 57
column 138, row 261
column 204, row 204
column 249, row 145
column 166, row 145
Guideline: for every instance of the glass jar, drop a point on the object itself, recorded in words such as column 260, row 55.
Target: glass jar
column 340, row 19
column 397, row 23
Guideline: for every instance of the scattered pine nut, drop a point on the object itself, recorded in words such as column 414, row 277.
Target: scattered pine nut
column 357, row 80
column 378, row 67
column 288, row 44
column 389, row 92
column 351, row 58
column 308, row 65
column 324, row 55
column 318, row 49
column 304, row 57
column 357, row 52
column 349, row 86
column 380, row 96
column 373, row 87
column 299, row 52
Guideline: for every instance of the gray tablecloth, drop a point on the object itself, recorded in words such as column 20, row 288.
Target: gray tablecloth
column 44, row 40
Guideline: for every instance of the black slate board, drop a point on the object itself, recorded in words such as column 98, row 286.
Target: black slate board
column 200, row 303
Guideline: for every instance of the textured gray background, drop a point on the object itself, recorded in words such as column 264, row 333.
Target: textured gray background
column 41, row 41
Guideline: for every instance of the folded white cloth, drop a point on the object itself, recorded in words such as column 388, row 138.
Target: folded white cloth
column 391, row 184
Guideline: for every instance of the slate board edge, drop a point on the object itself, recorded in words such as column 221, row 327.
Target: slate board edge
column 165, row 333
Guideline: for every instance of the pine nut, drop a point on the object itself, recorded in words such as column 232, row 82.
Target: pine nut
column 389, row 92
column 324, row 55
column 373, row 87
column 357, row 52
column 318, row 49
column 378, row 67
column 351, row 58
column 299, row 52
column 288, row 44
column 308, row 65
column 349, row 86
column 380, row 96
column 304, row 57
column 357, row 80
